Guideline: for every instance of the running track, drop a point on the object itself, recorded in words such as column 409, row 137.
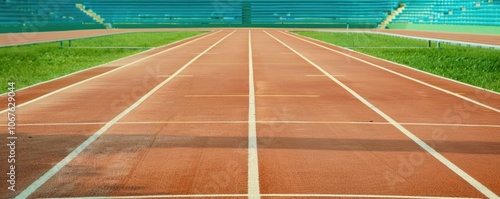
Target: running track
column 256, row 113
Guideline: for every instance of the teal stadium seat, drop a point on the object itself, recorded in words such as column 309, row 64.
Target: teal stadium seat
column 38, row 15
column 204, row 13
column 47, row 15
column 451, row 12
column 245, row 13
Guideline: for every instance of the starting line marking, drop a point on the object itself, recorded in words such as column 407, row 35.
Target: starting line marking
column 50, row 173
column 268, row 195
column 160, row 196
column 324, row 75
column 167, row 76
column 309, row 96
column 277, row 63
column 359, row 196
column 219, row 63
column 259, row 122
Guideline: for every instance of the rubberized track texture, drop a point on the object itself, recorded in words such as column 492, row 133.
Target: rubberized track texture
column 255, row 113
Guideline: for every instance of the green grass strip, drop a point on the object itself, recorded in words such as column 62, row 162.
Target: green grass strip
column 475, row 66
column 31, row 64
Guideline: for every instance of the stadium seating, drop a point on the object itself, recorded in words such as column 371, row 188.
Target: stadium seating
column 363, row 13
column 41, row 15
column 451, row 12
column 38, row 15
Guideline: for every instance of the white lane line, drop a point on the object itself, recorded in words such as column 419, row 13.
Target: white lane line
column 61, row 124
column 476, row 184
column 399, row 74
column 106, row 73
column 166, row 76
column 253, row 161
column 359, row 196
column 35, row 185
column 207, row 96
column 452, row 125
column 268, row 195
column 258, row 122
column 324, row 75
column 161, row 196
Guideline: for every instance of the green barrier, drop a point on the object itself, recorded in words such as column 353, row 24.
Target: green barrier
column 495, row 30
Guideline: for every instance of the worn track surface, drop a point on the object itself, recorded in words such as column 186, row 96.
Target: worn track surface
column 251, row 113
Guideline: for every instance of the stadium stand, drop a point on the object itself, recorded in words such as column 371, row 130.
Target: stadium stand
column 199, row 13
column 451, row 12
column 46, row 15
column 36, row 15
column 291, row 13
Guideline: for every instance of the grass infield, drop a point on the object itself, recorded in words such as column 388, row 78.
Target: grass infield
column 31, row 64
column 475, row 66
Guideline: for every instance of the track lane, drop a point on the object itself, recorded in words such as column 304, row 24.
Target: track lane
column 477, row 94
column 208, row 158
column 474, row 149
column 253, row 157
column 196, row 130
column 424, row 94
column 94, row 100
column 28, row 94
column 38, row 92
column 375, row 90
column 335, row 158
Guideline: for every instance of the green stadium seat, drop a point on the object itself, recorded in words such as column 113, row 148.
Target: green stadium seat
column 16, row 14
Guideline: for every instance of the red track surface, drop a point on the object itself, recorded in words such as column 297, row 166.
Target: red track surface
column 190, row 134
